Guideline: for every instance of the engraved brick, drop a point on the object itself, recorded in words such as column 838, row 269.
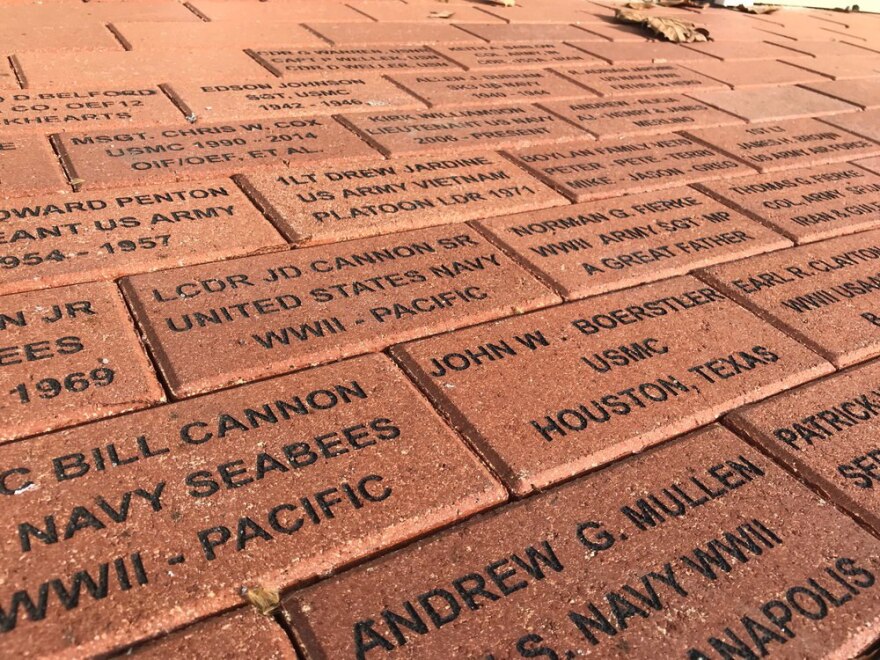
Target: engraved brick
column 466, row 128
column 808, row 204
column 181, row 509
column 628, row 79
column 525, row 55
column 548, row 395
column 824, row 294
column 101, row 159
column 640, row 115
column 69, row 355
column 53, row 110
column 333, row 204
column 217, row 324
column 619, row 565
column 239, row 633
column 293, row 63
column 745, row 74
column 489, row 88
column 51, row 239
column 864, row 92
column 305, row 95
column 217, row 35
column 768, row 103
column 607, row 168
column 786, row 144
column 826, row 432
column 585, row 249
column 28, row 164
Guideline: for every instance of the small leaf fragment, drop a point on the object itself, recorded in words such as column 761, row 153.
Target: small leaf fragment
column 265, row 601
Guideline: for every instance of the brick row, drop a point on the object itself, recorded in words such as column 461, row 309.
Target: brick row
column 173, row 514
column 700, row 548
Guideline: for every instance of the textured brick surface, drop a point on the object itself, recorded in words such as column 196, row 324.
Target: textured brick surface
column 570, row 239
column 268, row 314
column 70, row 355
column 379, row 197
column 823, row 293
column 28, row 164
column 864, row 92
column 150, row 495
column 235, row 635
column 550, row 394
column 586, row 249
column 557, row 573
column 767, row 103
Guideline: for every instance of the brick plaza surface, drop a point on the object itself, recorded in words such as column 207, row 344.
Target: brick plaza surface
column 416, row 329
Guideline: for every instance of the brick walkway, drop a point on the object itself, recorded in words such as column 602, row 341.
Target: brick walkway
column 465, row 331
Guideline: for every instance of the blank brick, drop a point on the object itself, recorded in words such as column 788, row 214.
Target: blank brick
column 145, row 36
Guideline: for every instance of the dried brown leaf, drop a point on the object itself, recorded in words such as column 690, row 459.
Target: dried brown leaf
column 758, row 9
column 264, row 600
column 676, row 30
column 670, row 28
column 639, row 5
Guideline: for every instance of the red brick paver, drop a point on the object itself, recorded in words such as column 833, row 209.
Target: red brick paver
column 550, row 394
column 70, row 355
column 618, row 565
column 291, row 286
column 269, row 314
column 263, row 486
